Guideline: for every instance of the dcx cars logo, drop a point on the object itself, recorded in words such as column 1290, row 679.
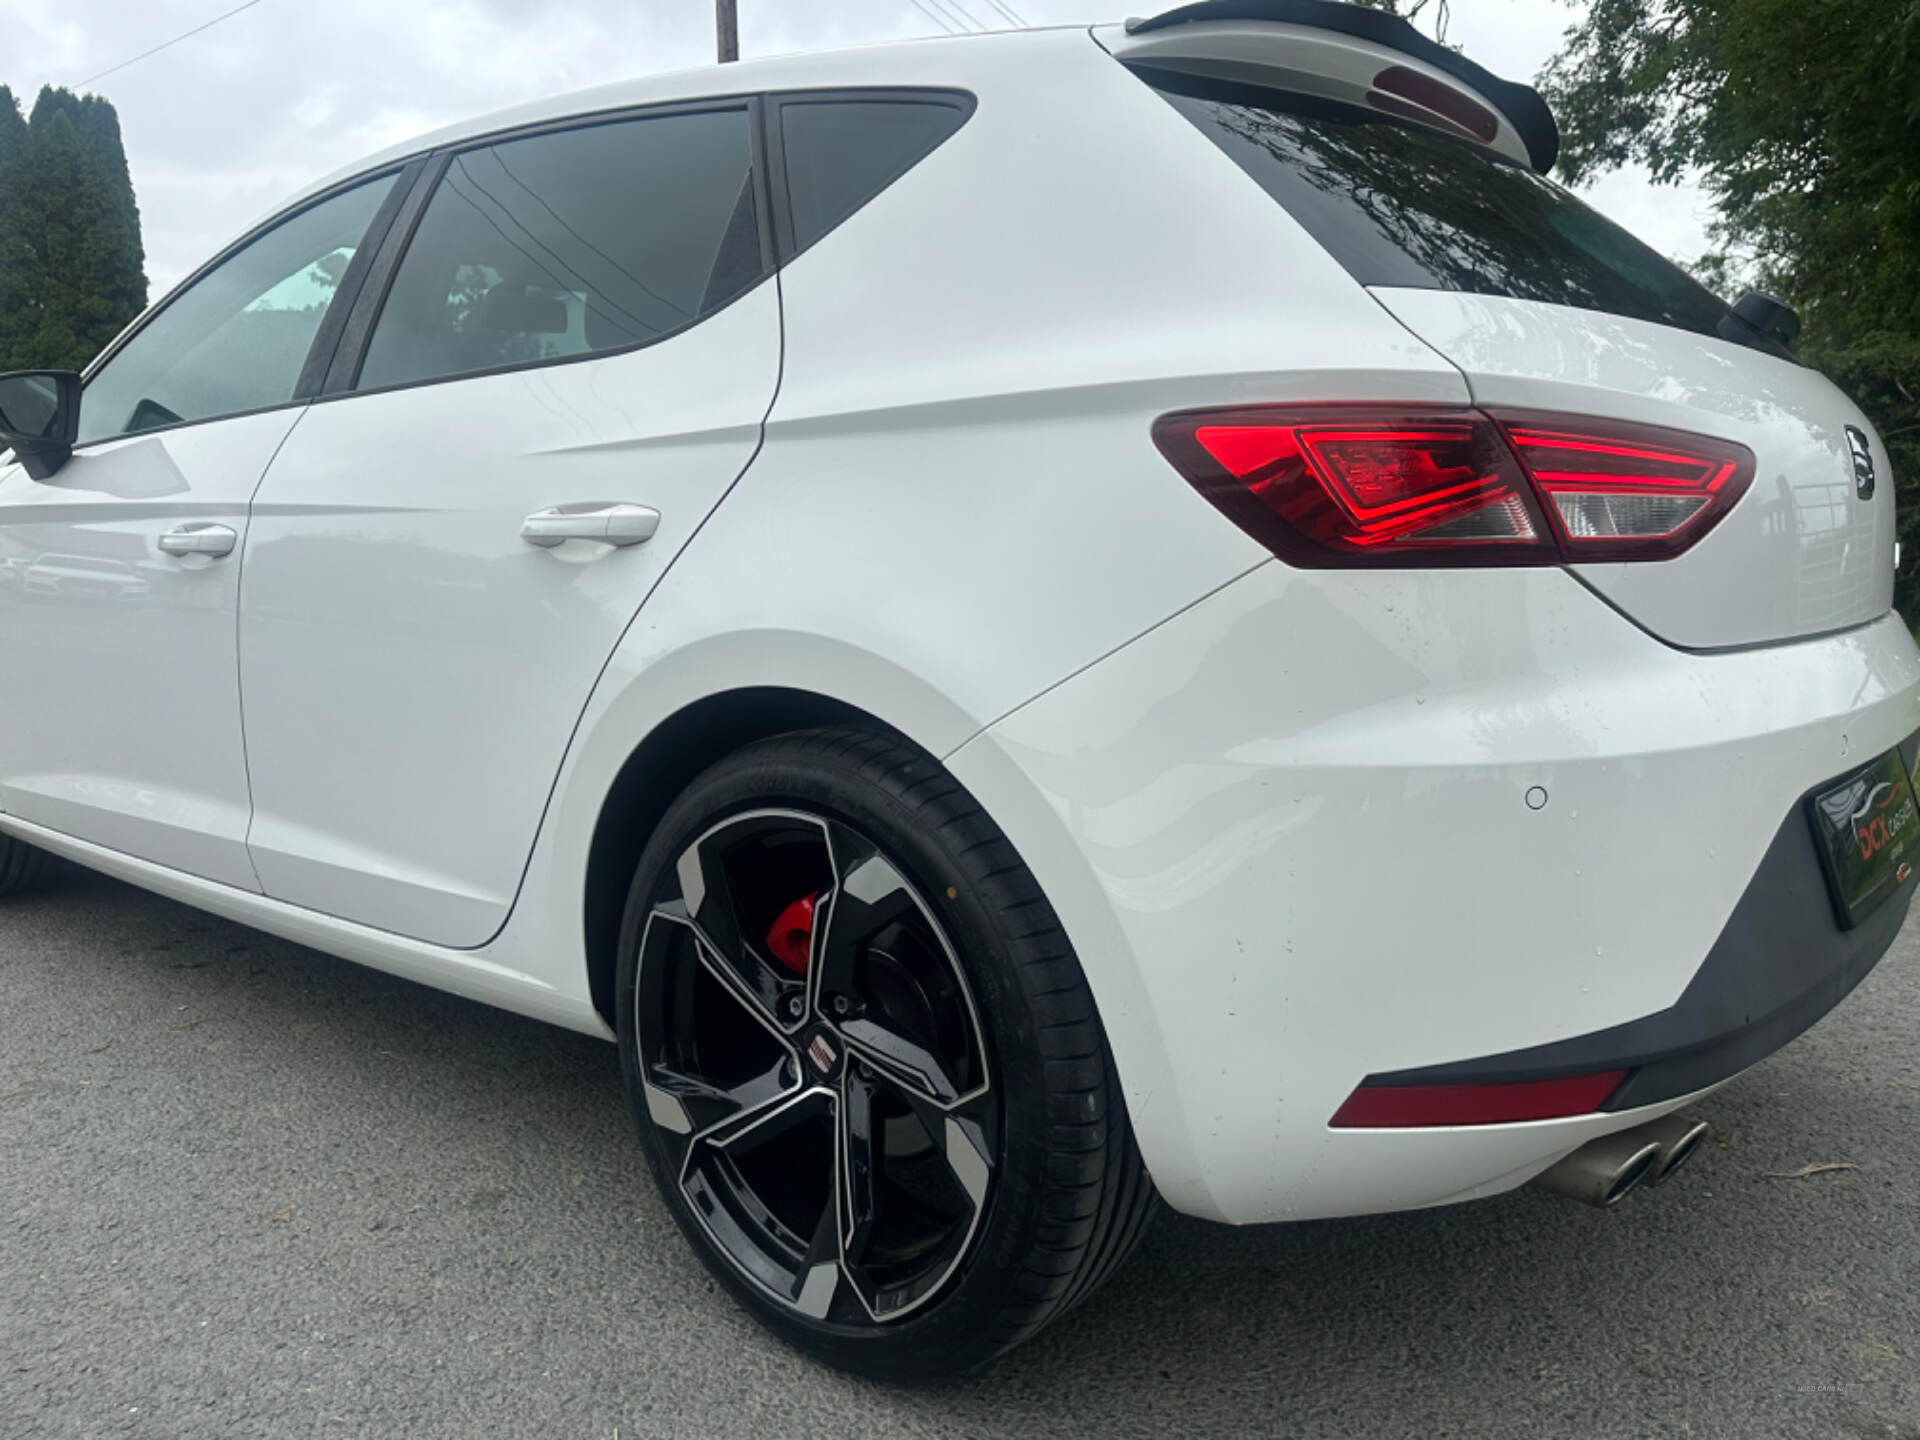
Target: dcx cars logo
column 1871, row 814
column 1863, row 478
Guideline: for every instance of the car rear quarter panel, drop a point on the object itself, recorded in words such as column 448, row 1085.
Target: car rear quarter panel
column 958, row 475
column 1298, row 815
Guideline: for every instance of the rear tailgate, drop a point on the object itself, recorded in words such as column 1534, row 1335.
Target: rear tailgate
column 1545, row 305
column 1801, row 554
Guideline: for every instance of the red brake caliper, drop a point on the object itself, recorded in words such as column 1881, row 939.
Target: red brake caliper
column 791, row 938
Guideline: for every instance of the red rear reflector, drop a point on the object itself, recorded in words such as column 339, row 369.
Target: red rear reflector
column 1412, row 485
column 1396, row 1107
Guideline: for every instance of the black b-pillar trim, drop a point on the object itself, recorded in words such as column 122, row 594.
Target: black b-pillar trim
column 313, row 373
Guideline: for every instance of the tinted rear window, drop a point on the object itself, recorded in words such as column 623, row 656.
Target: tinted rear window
column 1399, row 204
column 841, row 153
column 572, row 242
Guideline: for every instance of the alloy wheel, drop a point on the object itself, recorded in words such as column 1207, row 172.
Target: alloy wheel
column 813, row 1061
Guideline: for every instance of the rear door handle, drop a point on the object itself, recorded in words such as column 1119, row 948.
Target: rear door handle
column 609, row 524
column 209, row 540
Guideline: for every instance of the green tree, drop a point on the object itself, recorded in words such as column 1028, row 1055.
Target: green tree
column 1802, row 117
column 72, row 268
column 19, row 265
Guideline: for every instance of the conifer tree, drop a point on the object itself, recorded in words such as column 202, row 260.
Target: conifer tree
column 19, row 263
column 72, row 268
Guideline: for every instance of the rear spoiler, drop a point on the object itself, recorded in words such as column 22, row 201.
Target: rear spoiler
column 1529, row 115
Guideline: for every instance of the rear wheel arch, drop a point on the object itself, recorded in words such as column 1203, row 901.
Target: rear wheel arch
column 703, row 702
column 662, row 765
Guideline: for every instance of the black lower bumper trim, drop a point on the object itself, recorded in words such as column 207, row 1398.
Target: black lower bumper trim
column 1781, row 962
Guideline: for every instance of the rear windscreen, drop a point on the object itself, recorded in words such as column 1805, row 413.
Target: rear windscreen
column 1399, row 204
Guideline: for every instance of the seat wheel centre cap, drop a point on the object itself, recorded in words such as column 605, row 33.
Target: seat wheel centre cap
column 822, row 1052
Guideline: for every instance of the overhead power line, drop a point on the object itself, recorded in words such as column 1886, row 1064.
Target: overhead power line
column 946, row 8
column 971, row 19
column 955, row 18
column 921, row 6
column 165, row 45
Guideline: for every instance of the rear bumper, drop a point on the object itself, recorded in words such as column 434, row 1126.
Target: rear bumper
column 1433, row 828
column 1781, row 962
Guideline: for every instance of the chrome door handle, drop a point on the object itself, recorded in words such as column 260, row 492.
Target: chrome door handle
column 210, row 540
column 609, row 524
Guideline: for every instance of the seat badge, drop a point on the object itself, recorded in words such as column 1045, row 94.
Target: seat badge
column 820, row 1051
column 1863, row 477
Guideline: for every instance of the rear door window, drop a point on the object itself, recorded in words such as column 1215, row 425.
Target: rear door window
column 842, row 151
column 1399, row 204
column 570, row 243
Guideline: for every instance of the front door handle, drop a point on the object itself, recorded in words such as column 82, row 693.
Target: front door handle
column 609, row 524
column 212, row 541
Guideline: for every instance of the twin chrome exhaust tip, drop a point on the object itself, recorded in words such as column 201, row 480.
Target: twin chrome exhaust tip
column 1604, row 1172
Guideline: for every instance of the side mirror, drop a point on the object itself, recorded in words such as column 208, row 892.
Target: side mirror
column 40, row 418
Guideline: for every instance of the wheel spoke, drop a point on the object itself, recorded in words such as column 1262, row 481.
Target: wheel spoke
column 868, row 895
column 706, row 1103
column 824, row 1248
column 768, row 1120
column 860, row 1161
column 818, row 1279
column 769, row 1241
column 960, row 1132
column 761, row 1003
column 908, row 1063
column 708, row 892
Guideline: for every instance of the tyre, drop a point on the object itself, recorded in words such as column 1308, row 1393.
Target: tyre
column 22, row 867
column 865, row 1063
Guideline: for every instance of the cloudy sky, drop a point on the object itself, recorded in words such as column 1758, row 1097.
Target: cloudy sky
column 224, row 124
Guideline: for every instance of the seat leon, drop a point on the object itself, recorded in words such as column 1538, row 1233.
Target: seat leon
column 1035, row 624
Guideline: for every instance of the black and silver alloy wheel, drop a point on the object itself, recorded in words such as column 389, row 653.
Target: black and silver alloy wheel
column 864, row 1060
column 809, row 1039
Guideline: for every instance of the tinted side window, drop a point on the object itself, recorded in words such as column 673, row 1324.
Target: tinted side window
column 842, row 153
column 1399, row 204
column 236, row 339
column 571, row 242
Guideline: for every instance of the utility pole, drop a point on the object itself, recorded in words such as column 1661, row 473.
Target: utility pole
column 726, row 25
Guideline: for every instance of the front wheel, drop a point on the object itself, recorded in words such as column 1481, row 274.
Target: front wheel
column 22, row 867
column 864, row 1061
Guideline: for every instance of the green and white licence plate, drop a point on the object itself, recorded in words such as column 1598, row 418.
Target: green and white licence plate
column 1867, row 829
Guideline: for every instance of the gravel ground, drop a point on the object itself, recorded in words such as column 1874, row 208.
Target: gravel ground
column 248, row 1190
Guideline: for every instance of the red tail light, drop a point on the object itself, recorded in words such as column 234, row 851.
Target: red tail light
column 1410, row 485
column 1628, row 492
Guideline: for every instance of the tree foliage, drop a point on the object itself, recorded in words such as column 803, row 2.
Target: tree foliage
column 72, row 269
column 1803, row 119
column 1415, row 10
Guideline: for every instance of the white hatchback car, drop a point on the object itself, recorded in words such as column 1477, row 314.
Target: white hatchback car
column 1030, row 622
